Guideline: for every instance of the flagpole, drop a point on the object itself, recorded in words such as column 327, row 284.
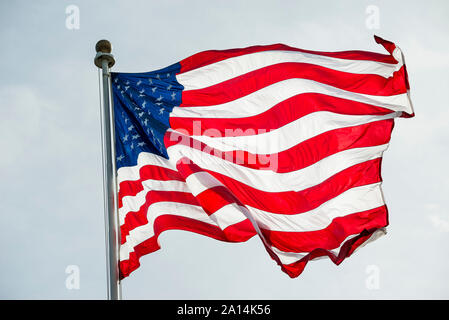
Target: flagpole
column 105, row 60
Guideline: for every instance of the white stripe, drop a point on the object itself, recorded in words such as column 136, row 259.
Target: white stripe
column 270, row 181
column 226, row 216
column 195, row 184
column 354, row 200
column 292, row 257
column 289, row 135
column 145, row 158
column 133, row 203
column 376, row 235
column 287, row 257
column 201, row 181
column 233, row 67
column 144, row 232
column 264, row 99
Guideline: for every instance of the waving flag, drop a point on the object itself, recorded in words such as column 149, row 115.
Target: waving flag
column 270, row 141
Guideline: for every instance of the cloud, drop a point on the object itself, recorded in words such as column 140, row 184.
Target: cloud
column 441, row 224
column 20, row 117
column 439, row 220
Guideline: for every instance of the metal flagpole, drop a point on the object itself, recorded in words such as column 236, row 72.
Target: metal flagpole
column 105, row 60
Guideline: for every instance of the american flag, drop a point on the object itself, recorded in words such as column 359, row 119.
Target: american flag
column 270, row 141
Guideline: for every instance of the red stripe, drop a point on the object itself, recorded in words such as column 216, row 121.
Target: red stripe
column 301, row 155
column 133, row 187
column 204, row 58
column 239, row 232
column 215, row 198
column 277, row 116
column 245, row 84
column 287, row 202
column 134, row 219
column 332, row 236
column 210, row 202
column 296, row 268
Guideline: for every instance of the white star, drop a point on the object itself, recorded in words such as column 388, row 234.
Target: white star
column 126, row 120
column 159, row 99
column 173, row 95
column 132, row 146
column 169, row 87
column 145, row 122
column 126, row 88
column 120, row 158
column 158, row 76
column 168, row 75
column 161, row 111
column 158, row 144
column 139, row 82
column 118, row 86
column 153, row 89
column 150, row 81
column 115, row 80
column 130, row 127
column 143, row 104
column 141, row 144
column 141, row 114
column 125, row 138
column 127, row 82
column 135, row 136
column 141, row 95
column 159, row 103
column 142, row 91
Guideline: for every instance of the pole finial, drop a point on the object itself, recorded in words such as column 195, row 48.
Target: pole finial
column 104, row 48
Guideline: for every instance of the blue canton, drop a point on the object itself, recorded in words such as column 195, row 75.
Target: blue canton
column 142, row 104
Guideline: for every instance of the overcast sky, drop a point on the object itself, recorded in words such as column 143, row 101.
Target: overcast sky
column 50, row 165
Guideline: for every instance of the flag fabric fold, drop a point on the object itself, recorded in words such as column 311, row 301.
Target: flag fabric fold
column 270, row 141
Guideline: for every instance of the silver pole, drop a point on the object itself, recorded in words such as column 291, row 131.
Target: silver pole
column 105, row 60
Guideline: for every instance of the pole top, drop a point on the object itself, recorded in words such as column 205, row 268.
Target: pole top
column 103, row 49
column 103, row 46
